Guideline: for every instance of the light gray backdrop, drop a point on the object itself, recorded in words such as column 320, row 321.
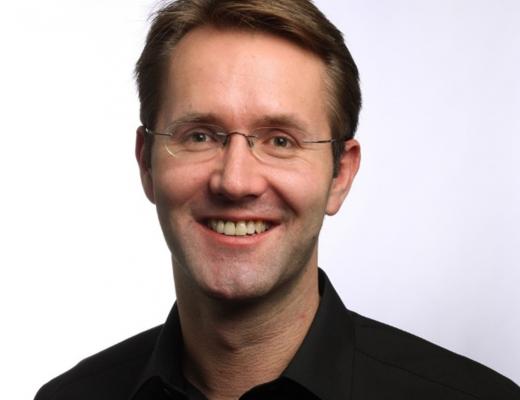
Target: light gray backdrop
column 428, row 239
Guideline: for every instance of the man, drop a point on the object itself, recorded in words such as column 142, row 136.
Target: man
column 249, row 110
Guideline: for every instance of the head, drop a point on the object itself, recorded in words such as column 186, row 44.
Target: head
column 298, row 21
column 238, row 65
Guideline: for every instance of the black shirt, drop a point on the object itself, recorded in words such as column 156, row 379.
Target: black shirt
column 343, row 356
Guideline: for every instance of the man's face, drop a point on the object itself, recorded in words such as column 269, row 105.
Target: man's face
column 240, row 79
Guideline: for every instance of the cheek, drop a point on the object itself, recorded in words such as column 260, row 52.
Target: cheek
column 304, row 191
column 172, row 187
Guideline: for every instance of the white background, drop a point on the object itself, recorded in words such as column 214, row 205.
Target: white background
column 428, row 241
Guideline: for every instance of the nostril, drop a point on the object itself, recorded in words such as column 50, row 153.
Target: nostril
column 237, row 174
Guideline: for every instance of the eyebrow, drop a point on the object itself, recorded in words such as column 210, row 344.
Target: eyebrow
column 275, row 120
column 206, row 118
column 282, row 120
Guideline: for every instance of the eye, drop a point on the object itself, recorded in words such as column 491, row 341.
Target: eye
column 277, row 142
column 198, row 137
column 191, row 135
column 281, row 141
column 194, row 137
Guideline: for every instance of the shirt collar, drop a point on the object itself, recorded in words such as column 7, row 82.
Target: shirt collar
column 165, row 363
column 323, row 364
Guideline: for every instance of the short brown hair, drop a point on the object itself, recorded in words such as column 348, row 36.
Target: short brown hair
column 298, row 21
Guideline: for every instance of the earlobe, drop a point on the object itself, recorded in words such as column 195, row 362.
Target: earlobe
column 348, row 168
column 144, row 167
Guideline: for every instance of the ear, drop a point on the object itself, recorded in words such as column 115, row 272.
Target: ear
column 144, row 169
column 348, row 168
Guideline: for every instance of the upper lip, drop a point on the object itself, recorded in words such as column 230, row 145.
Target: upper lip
column 237, row 218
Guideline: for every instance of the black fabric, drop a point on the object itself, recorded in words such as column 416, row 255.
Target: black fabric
column 343, row 356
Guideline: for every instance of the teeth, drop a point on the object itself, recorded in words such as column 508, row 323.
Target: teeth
column 239, row 228
column 259, row 226
column 229, row 229
column 251, row 227
column 220, row 227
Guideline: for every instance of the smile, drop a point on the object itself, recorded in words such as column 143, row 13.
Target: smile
column 238, row 228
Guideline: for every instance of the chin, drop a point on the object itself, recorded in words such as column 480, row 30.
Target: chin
column 239, row 283
column 235, row 282
column 244, row 277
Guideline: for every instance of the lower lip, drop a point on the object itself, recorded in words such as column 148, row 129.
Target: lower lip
column 236, row 241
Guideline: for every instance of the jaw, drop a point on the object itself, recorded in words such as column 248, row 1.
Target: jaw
column 234, row 282
column 238, row 269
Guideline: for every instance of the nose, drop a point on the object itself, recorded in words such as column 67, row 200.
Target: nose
column 238, row 174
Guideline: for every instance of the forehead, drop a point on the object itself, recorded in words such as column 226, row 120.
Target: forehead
column 241, row 75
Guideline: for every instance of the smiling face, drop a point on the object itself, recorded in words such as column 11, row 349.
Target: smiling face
column 237, row 226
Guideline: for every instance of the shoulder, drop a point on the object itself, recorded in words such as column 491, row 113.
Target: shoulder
column 105, row 374
column 392, row 355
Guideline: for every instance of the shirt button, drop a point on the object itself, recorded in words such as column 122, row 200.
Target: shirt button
column 167, row 392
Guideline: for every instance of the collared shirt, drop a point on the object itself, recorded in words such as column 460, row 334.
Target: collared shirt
column 343, row 356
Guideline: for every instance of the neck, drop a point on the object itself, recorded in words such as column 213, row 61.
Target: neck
column 254, row 340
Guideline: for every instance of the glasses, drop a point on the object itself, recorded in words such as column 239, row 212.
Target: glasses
column 198, row 142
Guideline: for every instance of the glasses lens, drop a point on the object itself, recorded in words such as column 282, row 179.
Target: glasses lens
column 277, row 143
column 194, row 141
column 199, row 142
